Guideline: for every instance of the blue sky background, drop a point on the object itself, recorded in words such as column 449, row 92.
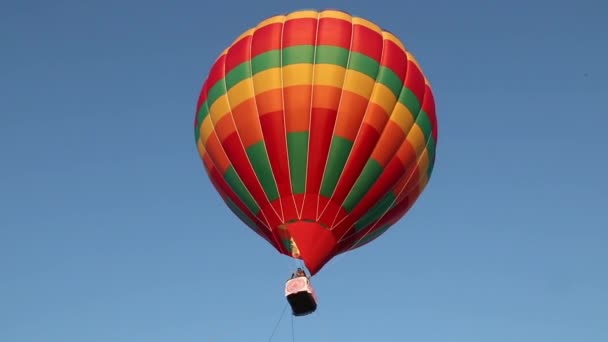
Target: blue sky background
column 111, row 232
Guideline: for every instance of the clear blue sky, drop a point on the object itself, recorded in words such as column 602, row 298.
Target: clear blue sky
column 111, row 232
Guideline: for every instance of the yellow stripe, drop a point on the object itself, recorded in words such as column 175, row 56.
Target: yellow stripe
column 302, row 15
column 402, row 117
column 219, row 108
column 249, row 32
column 358, row 83
column 329, row 75
column 366, row 23
column 423, row 164
column 383, row 97
column 240, row 92
column 270, row 21
column 336, row 15
column 267, row 80
column 297, row 74
column 411, row 58
column 201, row 147
column 389, row 36
column 424, row 180
column 206, row 129
column 416, row 139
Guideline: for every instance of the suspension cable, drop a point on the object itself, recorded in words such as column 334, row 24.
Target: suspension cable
column 276, row 326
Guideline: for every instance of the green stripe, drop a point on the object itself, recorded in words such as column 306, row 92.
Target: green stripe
column 425, row 124
column 376, row 211
column 287, row 245
column 368, row 177
column 388, row 78
column 240, row 214
column 325, row 54
column 238, row 74
column 240, row 190
column 328, row 54
column 299, row 54
column 265, row 61
column 261, row 165
column 364, row 64
column 297, row 146
column 430, row 146
column 338, row 154
column 377, row 232
column 410, row 101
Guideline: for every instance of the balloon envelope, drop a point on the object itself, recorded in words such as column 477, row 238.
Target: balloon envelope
column 319, row 131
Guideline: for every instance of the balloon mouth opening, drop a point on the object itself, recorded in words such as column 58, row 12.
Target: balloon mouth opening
column 311, row 242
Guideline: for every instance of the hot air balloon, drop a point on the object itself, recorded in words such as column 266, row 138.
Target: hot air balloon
column 318, row 129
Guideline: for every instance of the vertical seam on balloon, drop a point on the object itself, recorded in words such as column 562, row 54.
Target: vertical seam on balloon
column 390, row 114
column 333, row 134
column 405, row 185
column 241, row 140
column 312, row 94
column 357, row 137
column 293, row 196
column 266, row 224
column 282, row 216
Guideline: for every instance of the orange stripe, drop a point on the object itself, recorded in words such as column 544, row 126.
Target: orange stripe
column 247, row 119
column 376, row 117
column 406, row 154
column 217, row 154
column 350, row 114
column 389, row 142
column 270, row 101
column 224, row 127
column 297, row 108
column 327, row 97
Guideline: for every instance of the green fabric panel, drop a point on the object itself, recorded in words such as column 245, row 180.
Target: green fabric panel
column 265, row 61
column 376, row 211
column 363, row 64
column 299, row 54
column 240, row 190
column 431, row 149
column 425, row 124
column 410, row 101
column 335, row 55
column 366, row 179
column 374, row 234
column 239, row 73
column 297, row 146
column 338, row 154
column 241, row 215
column 258, row 156
column 388, row 78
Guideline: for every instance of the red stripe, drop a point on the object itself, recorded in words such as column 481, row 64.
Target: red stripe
column 273, row 128
column 391, row 217
column 334, row 32
column 428, row 105
column 394, row 58
column 299, row 32
column 216, row 73
column 414, row 80
column 222, row 187
column 237, row 54
column 240, row 162
column 367, row 42
column 321, row 131
column 364, row 145
column 202, row 97
column 266, row 39
column 392, row 173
